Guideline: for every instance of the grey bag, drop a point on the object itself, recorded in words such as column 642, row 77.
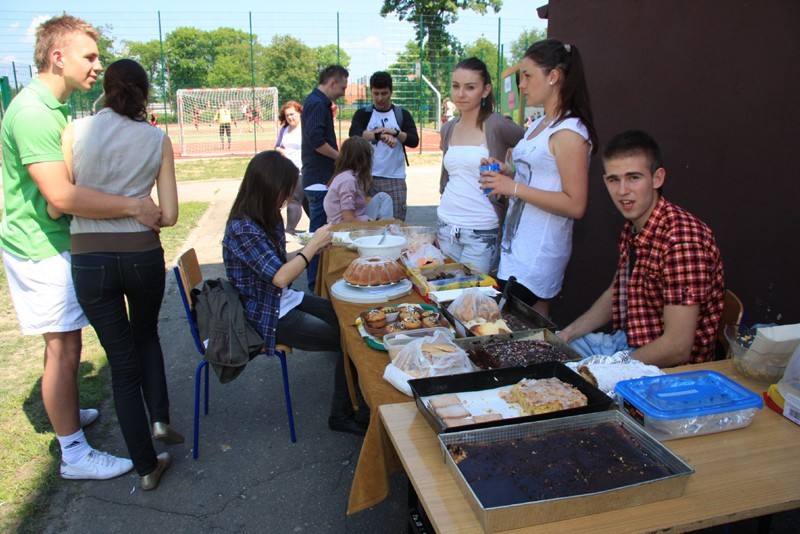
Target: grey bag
column 231, row 339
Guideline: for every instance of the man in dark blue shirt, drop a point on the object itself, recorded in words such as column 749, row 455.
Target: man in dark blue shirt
column 319, row 148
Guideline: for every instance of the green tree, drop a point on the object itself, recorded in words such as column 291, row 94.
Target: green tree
column 289, row 66
column 231, row 68
column 331, row 55
column 525, row 39
column 148, row 55
column 189, row 57
column 430, row 19
column 486, row 51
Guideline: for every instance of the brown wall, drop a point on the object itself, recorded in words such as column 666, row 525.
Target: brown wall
column 717, row 84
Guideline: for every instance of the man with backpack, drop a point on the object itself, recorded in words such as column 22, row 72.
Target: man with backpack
column 390, row 128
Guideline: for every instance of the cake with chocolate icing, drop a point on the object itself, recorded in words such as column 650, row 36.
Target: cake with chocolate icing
column 516, row 353
column 563, row 463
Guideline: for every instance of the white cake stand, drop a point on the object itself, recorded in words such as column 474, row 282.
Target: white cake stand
column 370, row 295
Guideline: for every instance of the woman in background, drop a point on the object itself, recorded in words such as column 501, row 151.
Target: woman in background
column 290, row 140
column 119, row 261
column 470, row 221
column 550, row 181
column 256, row 263
column 346, row 200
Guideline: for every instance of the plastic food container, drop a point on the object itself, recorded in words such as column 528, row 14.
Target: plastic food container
column 687, row 404
column 418, row 236
column 789, row 384
column 758, row 367
column 391, row 247
column 396, row 341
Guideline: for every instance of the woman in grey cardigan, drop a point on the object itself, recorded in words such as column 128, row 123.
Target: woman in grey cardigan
column 470, row 221
column 118, row 264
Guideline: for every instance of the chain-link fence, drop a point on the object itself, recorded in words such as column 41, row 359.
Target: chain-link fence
column 283, row 50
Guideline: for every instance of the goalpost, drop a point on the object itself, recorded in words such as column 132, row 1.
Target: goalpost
column 226, row 121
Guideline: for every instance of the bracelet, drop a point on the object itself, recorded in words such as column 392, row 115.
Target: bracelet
column 304, row 258
column 396, row 133
column 515, row 189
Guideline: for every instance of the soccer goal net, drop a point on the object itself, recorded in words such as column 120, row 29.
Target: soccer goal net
column 216, row 122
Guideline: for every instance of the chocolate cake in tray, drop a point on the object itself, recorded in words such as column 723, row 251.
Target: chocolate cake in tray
column 527, row 474
column 442, row 400
column 518, row 348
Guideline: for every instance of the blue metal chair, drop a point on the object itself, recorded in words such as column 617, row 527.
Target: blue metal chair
column 188, row 274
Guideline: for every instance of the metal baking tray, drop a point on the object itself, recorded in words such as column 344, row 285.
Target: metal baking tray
column 506, row 517
column 468, row 343
column 495, row 378
column 532, row 319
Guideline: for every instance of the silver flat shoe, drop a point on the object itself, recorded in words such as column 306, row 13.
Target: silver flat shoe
column 166, row 434
column 150, row 481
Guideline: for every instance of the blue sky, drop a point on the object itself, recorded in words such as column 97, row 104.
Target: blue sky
column 370, row 40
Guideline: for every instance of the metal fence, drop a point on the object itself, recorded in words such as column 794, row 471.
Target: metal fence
column 194, row 50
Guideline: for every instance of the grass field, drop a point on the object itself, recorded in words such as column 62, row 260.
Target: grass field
column 234, row 167
column 29, row 452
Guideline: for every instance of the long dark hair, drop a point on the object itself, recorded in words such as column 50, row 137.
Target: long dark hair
column 268, row 183
column 573, row 94
column 356, row 156
column 126, row 88
column 487, row 105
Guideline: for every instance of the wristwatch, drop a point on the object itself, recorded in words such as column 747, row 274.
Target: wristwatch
column 396, row 133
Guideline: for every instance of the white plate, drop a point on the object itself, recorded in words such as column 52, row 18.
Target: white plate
column 370, row 295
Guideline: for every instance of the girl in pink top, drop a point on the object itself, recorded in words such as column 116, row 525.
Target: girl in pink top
column 346, row 200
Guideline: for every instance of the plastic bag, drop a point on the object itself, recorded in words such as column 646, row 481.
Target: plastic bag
column 473, row 304
column 425, row 255
column 428, row 356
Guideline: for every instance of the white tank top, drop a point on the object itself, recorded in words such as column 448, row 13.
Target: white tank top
column 536, row 244
column 463, row 203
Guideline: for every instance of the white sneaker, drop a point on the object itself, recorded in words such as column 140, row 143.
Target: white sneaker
column 96, row 465
column 88, row 416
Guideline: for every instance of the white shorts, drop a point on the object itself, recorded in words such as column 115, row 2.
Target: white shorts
column 43, row 294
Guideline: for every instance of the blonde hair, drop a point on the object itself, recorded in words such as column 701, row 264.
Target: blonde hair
column 58, row 32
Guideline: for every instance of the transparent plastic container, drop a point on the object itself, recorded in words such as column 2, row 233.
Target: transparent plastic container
column 687, row 404
column 758, row 367
column 789, row 384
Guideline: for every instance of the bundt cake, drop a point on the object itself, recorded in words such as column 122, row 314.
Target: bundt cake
column 374, row 271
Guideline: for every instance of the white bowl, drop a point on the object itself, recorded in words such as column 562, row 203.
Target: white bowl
column 392, row 246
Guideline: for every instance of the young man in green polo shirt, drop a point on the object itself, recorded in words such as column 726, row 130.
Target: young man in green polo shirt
column 36, row 247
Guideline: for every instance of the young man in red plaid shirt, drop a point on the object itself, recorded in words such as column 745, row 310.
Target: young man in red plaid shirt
column 667, row 294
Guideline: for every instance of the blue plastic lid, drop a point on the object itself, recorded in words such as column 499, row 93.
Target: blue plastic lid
column 689, row 394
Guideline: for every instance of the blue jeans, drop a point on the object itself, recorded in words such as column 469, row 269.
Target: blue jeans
column 317, row 219
column 103, row 282
column 478, row 247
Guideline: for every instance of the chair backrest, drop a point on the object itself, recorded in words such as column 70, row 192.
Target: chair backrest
column 188, row 275
column 731, row 314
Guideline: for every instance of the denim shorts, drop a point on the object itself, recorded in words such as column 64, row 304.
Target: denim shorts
column 478, row 247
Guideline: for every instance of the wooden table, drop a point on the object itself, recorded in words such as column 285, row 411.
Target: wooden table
column 739, row 474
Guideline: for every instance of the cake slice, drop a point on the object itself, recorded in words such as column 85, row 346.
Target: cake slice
column 546, row 395
column 451, row 422
column 486, row 417
column 451, row 412
column 448, row 399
